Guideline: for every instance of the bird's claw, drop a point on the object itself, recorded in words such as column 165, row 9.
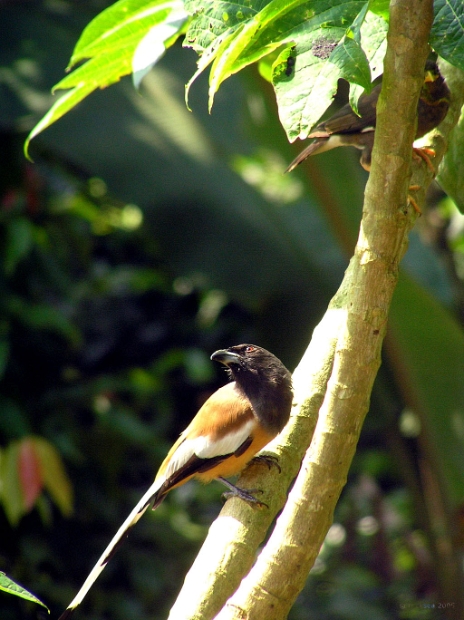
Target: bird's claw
column 246, row 496
column 412, row 201
column 424, row 154
column 269, row 460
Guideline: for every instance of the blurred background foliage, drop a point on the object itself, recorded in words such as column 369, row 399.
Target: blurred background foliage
column 143, row 238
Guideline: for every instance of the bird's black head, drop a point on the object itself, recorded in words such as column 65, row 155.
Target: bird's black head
column 434, row 100
column 263, row 379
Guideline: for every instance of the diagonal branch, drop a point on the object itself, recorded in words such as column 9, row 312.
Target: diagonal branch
column 362, row 303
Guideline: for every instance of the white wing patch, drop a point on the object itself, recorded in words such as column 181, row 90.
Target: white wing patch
column 205, row 448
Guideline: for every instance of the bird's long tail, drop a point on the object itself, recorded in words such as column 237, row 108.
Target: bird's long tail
column 318, row 146
column 148, row 498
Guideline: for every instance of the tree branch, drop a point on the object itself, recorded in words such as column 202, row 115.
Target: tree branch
column 233, row 539
column 363, row 302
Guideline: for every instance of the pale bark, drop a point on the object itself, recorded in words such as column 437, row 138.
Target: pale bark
column 332, row 383
column 362, row 303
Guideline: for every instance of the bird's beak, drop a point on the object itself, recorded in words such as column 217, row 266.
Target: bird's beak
column 226, row 357
column 430, row 76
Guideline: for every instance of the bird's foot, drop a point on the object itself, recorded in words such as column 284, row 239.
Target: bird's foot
column 411, row 200
column 269, row 460
column 425, row 154
column 242, row 494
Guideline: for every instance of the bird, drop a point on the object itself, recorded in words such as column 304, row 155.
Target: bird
column 230, row 428
column 346, row 128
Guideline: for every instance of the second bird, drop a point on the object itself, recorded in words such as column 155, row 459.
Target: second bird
column 346, row 128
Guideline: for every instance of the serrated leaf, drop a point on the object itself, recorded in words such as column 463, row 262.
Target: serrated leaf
column 305, row 96
column 374, row 43
column 212, row 24
column 447, row 34
column 212, row 20
column 121, row 26
column 64, row 104
column 55, row 478
column 153, row 45
column 108, row 45
column 10, row 586
column 241, row 51
column 353, row 65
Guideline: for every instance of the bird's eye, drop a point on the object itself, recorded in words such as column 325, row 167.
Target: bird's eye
column 250, row 349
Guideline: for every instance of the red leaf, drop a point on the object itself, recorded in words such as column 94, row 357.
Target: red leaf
column 29, row 470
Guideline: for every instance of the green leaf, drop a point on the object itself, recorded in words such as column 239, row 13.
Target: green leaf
column 120, row 26
column 55, row 478
column 352, row 63
column 152, row 47
column 323, row 56
column 446, row 36
column 211, row 20
column 326, row 50
column 10, row 586
column 248, row 45
column 232, row 43
column 64, row 104
column 109, row 45
column 380, row 8
column 212, row 24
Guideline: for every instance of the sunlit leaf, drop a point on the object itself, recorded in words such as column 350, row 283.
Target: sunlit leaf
column 153, row 45
column 107, row 48
column 324, row 53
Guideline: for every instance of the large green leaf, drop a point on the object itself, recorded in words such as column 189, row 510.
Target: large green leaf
column 314, row 28
column 127, row 37
column 305, row 94
column 446, row 36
